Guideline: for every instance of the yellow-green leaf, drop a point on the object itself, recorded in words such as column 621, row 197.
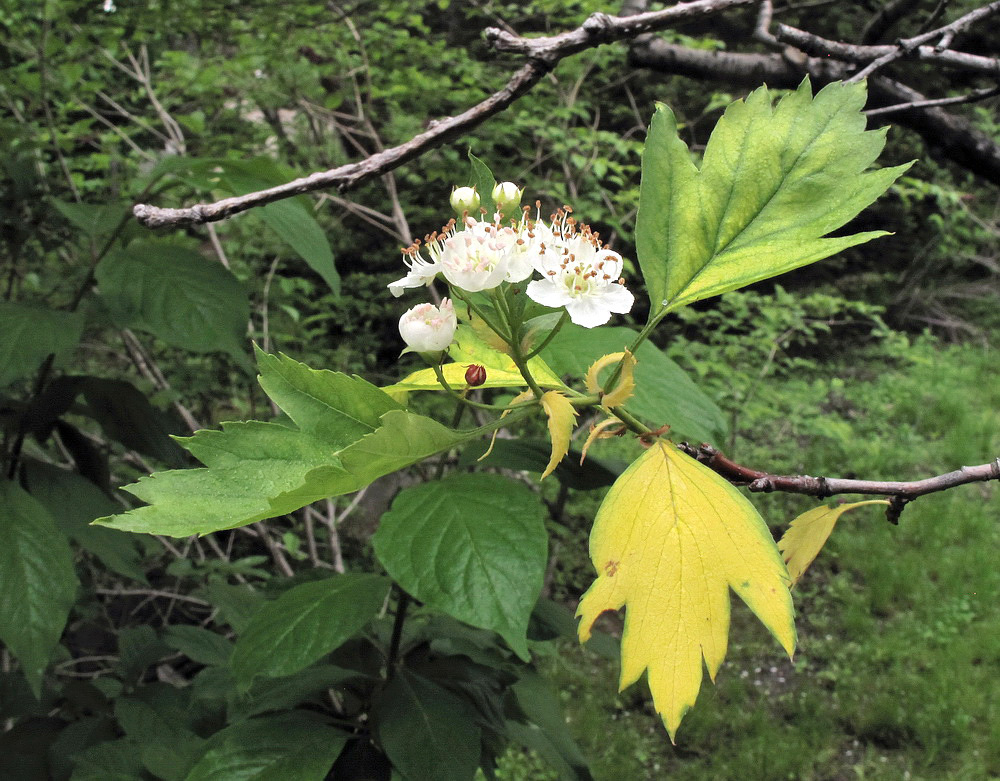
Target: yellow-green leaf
column 808, row 533
column 469, row 347
column 561, row 415
column 625, row 386
column 670, row 539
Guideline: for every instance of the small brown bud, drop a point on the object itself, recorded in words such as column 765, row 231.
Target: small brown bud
column 475, row 375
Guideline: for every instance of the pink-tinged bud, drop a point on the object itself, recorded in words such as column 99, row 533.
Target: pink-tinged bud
column 426, row 328
column 475, row 375
column 465, row 200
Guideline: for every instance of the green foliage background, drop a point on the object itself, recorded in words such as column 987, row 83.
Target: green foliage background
column 829, row 372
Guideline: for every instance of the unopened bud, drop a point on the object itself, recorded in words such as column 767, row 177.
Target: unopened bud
column 465, row 200
column 507, row 197
column 475, row 375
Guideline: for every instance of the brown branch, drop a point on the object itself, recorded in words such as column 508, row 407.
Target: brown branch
column 543, row 54
column 946, row 135
column 818, row 46
column 972, row 97
column 945, row 36
column 822, row 487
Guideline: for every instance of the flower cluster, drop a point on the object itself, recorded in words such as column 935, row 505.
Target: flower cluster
column 577, row 271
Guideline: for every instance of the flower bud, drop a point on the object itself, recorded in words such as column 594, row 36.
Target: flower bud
column 475, row 375
column 426, row 328
column 465, row 200
column 507, row 197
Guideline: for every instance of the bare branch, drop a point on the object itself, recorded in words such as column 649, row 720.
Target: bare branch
column 823, row 47
column 543, row 54
column 946, row 135
column 972, row 97
column 945, row 35
column 822, row 487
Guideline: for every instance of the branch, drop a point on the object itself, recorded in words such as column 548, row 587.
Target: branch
column 945, row 134
column 543, row 53
column 972, row 97
column 823, row 47
column 822, row 487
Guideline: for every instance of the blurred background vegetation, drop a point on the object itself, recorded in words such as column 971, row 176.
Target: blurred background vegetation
column 877, row 363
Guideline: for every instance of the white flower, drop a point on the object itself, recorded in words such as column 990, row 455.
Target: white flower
column 109, row 7
column 421, row 272
column 578, row 272
column 427, row 328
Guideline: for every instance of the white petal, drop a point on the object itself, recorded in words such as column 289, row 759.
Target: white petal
column 588, row 311
column 616, row 298
column 547, row 293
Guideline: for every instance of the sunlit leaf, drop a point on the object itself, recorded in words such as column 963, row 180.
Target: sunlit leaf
column 670, row 540
column 773, row 182
column 808, row 533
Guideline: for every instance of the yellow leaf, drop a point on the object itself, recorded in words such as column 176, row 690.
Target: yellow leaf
column 670, row 539
column 626, row 382
column 600, row 432
column 808, row 533
column 469, row 348
column 562, row 415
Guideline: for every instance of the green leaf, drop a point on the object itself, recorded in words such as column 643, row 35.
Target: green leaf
column 113, row 760
column 28, row 334
column 37, row 581
column 330, row 405
column 261, row 470
column 274, row 694
column 199, row 645
column 473, row 546
column 93, row 219
column 175, row 294
column 157, row 719
column 295, row 225
column 481, row 177
column 291, row 219
column 426, row 731
column 664, row 393
column 546, row 731
column 773, row 182
column 305, row 623
column 74, row 503
column 251, row 463
column 236, row 604
column 125, row 415
column 288, row 747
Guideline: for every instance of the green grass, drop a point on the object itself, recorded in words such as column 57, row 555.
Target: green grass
column 899, row 631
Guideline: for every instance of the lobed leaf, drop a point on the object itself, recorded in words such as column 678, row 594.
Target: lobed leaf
column 670, row 539
column 774, row 181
